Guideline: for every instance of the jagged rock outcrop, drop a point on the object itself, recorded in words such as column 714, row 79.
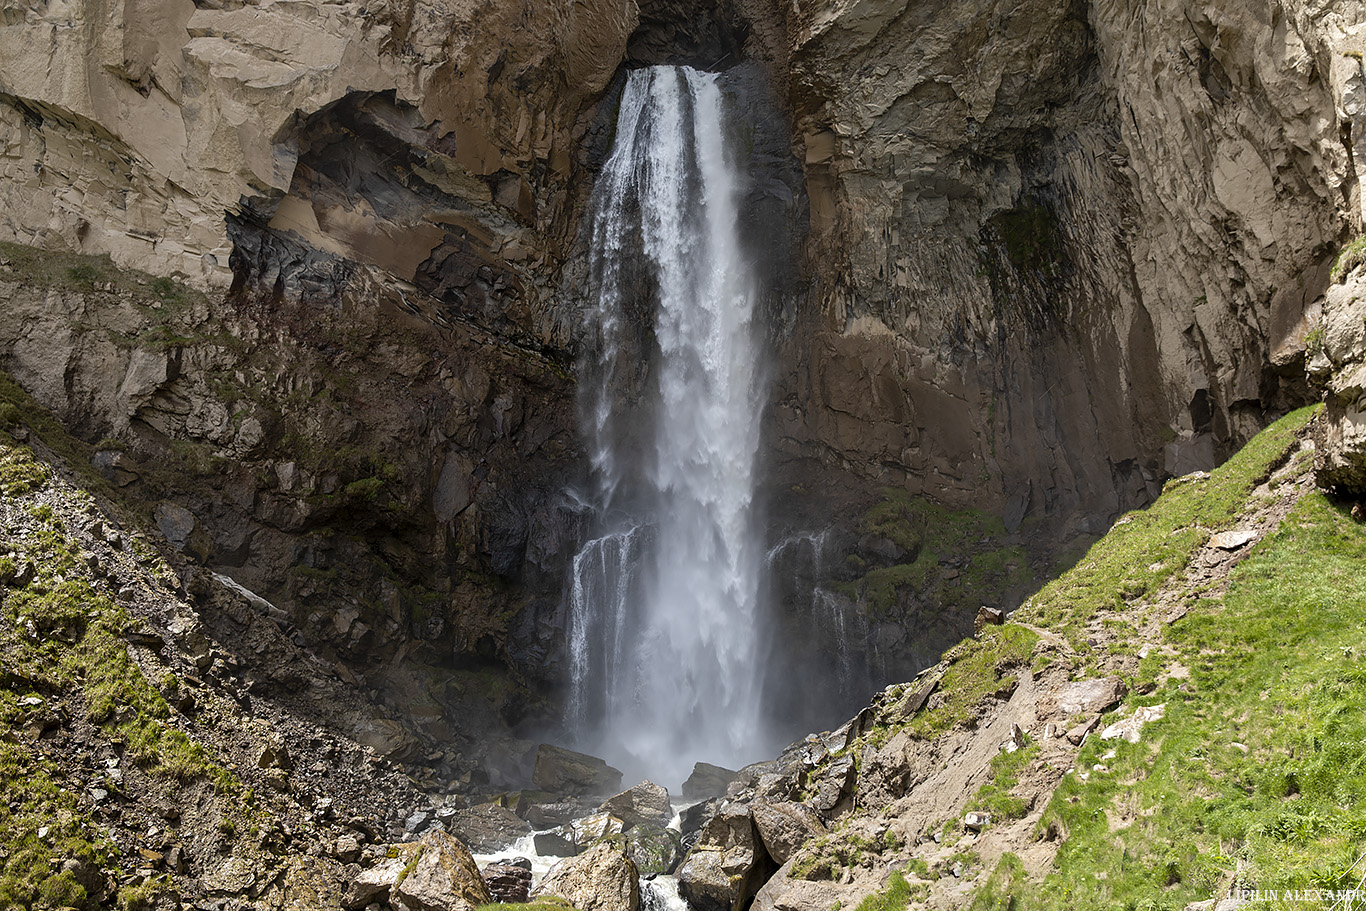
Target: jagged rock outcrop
column 189, row 111
column 1337, row 363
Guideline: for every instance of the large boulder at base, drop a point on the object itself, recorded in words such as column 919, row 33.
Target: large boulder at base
column 603, row 878
column 784, row 827
column 445, row 878
column 373, row 884
column 707, row 780
column 645, row 804
column 566, row 772
column 488, row 828
column 727, row 865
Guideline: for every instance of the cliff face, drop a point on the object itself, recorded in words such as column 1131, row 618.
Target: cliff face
column 1032, row 258
column 1068, row 248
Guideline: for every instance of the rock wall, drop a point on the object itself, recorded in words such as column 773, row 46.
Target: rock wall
column 1066, row 248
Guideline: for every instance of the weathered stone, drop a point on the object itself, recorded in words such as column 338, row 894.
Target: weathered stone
column 1338, row 367
column 1087, row 696
column 1231, row 540
column 707, row 780
column 549, row 815
column 603, row 878
column 445, row 878
column 373, row 884
column 488, row 827
column 644, row 804
column 508, row 882
column 835, row 784
column 976, row 822
column 346, row 849
column 1129, row 728
column 784, row 827
column 987, row 616
column 558, row 842
column 599, row 825
column 654, row 849
column 728, row 863
column 567, row 772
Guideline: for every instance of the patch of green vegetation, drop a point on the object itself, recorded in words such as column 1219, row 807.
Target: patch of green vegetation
column 145, row 895
column 896, row 897
column 1150, row 546
column 976, row 669
column 827, row 857
column 1256, row 772
column 30, row 862
column 1351, row 256
column 998, row 893
column 994, row 797
column 549, row 903
column 926, row 532
column 83, row 650
column 1314, row 339
column 19, row 472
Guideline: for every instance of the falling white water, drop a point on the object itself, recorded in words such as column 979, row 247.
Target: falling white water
column 663, row 603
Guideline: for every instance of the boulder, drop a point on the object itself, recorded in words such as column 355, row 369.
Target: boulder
column 444, row 878
column 695, row 817
column 603, row 878
column 784, row 827
column 1087, row 696
column 599, row 825
column 567, row 772
column 508, row 882
column 488, row 827
column 654, row 849
column 834, row 785
column 549, row 815
column 645, row 804
column 727, row 865
column 182, row 530
column 556, row 843
column 706, row 781
column 373, row 885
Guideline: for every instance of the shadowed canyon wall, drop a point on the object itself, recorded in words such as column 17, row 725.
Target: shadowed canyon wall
column 1031, row 258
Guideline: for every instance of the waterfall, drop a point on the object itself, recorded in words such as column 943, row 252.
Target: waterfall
column 663, row 603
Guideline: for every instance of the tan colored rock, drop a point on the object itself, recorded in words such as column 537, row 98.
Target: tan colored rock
column 603, row 878
column 164, row 116
column 784, row 827
column 643, row 804
column 445, row 878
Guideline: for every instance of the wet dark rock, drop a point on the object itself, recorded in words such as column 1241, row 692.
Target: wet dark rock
column 508, row 882
column 488, row 827
column 707, row 780
column 565, row 771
